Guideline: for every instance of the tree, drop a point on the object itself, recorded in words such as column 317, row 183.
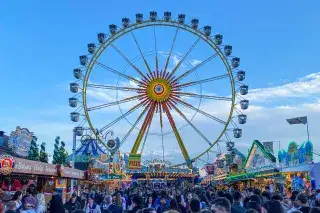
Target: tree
column 43, row 155
column 34, row 150
column 56, row 153
column 63, row 153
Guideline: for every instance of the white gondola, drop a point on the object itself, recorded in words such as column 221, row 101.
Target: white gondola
column 83, row 60
column 77, row 73
column 244, row 89
column 73, row 102
column 241, row 75
column 74, row 87
column 235, row 62
column 227, row 50
column 181, row 18
column 195, row 23
column 218, row 39
column 139, row 17
column 237, row 133
column 244, row 104
column 91, row 48
column 78, row 131
column 153, row 15
column 242, row 119
column 74, row 116
column 207, row 30
column 101, row 38
column 125, row 22
column 112, row 29
column 167, row 16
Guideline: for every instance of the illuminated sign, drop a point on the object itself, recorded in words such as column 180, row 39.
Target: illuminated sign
column 6, row 164
column 134, row 161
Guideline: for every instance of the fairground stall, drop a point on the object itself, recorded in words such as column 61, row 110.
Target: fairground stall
column 17, row 172
column 295, row 164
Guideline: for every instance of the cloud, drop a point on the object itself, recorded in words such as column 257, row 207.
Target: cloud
column 307, row 86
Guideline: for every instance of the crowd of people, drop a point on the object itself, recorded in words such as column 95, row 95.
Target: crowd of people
column 144, row 199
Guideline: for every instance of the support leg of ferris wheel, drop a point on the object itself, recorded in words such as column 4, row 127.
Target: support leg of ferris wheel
column 144, row 126
column 178, row 137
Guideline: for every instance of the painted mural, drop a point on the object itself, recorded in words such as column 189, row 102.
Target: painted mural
column 296, row 155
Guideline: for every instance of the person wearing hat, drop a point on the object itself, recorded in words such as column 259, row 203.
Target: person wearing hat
column 92, row 207
column 72, row 204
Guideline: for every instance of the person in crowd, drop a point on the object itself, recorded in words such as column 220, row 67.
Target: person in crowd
column 72, row 204
column 221, row 205
column 55, row 205
column 181, row 204
column 314, row 210
column 17, row 199
column 41, row 202
column 316, row 202
column 92, row 207
column 275, row 207
column 11, row 207
column 164, row 205
column 251, row 211
column 136, row 204
column 302, row 202
column 237, row 202
column 149, row 202
column 173, row 205
column 107, row 201
column 254, row 205
column 266, row 197
column 195, row 206
column 116, row 206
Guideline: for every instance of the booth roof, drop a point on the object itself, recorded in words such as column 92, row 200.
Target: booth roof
column 298, row 168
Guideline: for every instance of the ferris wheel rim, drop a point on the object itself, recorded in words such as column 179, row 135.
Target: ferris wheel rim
column 167, row 23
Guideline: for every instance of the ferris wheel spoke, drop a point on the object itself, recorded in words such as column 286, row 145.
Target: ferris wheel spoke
column 200, row 111
column 115, row 103
column 194, row 95
column 144, row 126
column 101, row 86
column 143, row 58
column 119, row 73
column 145, row 138
column 190, row 123
column 192, row 83
column 122, row 116
column 185, row 74
column 155, row 47
column 176, row 132
column 134, row 125
column 161, row 126
column 128, row 61
column 171, row 49
column 183, row 58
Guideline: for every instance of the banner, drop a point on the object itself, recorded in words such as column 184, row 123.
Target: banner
column 298, row 120
column 268, row 146
column 134, row 161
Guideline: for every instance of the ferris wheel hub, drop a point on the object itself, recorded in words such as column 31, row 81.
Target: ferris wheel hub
column 158, row 89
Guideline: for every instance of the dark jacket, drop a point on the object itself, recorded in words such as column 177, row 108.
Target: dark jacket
column 162, row 208
column 72, row 206
column 56, row 205
column 182, row 208
column 135, row 209
column 236, row 207
column 115, row 209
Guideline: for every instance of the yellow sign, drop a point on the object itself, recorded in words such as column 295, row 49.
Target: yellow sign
column 134, row 161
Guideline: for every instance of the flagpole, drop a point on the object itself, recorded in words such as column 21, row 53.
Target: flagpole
column 308, row 131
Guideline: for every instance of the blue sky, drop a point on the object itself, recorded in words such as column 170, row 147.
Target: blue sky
column 277, row 42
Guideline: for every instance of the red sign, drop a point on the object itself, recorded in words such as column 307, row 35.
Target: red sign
column 6, row 164
column 23, row 166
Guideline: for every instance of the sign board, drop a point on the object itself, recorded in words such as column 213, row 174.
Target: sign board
column 6, row 164
column 96, row 171
column 20, row 141
column 134, row 161
column 73, row 173
column 24, row 166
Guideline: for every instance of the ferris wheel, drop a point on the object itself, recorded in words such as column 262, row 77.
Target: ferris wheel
column 160, row 92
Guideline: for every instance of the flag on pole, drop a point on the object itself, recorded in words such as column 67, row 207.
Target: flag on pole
column 298, row 120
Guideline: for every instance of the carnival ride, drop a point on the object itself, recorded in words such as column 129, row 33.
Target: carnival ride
column 168, row 88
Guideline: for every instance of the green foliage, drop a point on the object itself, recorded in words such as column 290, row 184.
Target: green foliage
column 59, row 154
column 43, row 155
column 34, row 150
column 56, row 153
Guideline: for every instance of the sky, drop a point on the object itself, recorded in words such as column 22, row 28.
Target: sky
column 277, row 42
